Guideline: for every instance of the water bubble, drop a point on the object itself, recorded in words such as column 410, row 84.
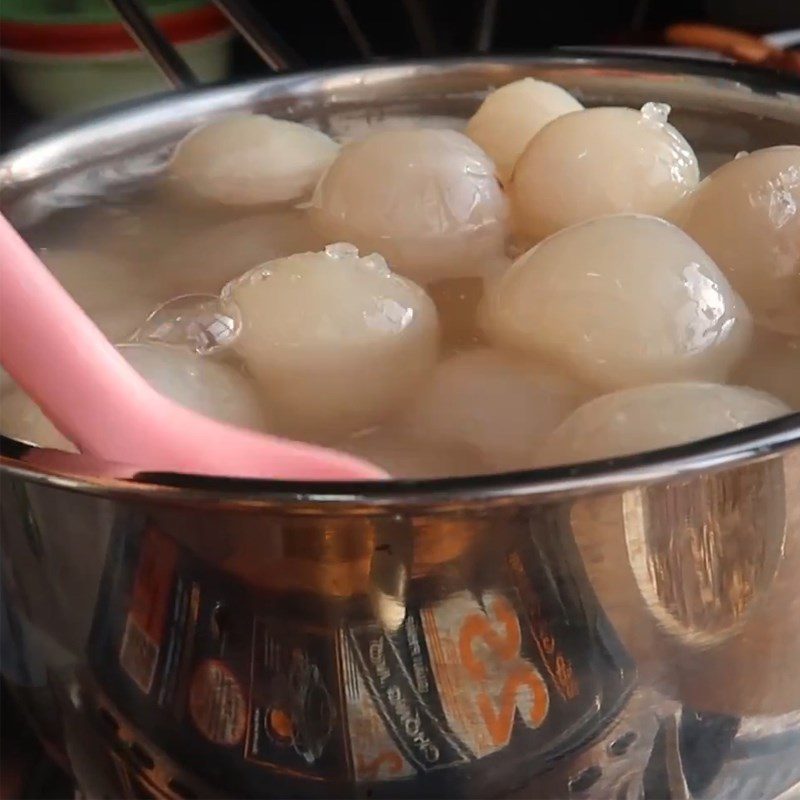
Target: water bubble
column 376, row 262
column 198, row 322
column 656, row 112
column 741, row 154
column 341, row 250
column 373, row 261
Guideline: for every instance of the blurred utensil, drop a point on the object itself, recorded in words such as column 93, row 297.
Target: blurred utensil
column 274, row 52
column 150, row 39
column 740, row 46
column 350, row 22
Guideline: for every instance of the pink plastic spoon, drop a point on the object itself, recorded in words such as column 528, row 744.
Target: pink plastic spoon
column 91, row 394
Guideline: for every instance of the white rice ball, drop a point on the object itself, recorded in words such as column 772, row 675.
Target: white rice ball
column 652, row 417
column 112, row 292
column 404, row 457
column 498, row 405
column 621, row 300
column 207, row 260
column 510, row 116
column 772, row 365
column 248, row 159
column 216, row 390
column 746, row 216
column 600, row 161
column 21, row 418
column 336, row 341
column 427, row 200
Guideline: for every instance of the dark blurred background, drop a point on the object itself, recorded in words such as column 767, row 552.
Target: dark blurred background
column 317, row 30
column 402, row 27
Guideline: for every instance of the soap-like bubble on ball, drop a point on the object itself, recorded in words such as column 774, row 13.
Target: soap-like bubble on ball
column 336, row 340
column 510, row 116
column 746, row 215
column 600, row 161
column 620, row 300
column 426, row 200
column 252, row 159
column 660, row 415
column 196, row 322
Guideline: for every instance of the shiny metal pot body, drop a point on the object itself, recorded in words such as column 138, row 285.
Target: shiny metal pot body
column 626, row 629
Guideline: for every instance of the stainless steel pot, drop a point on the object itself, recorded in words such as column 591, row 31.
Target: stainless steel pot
column 623, row 629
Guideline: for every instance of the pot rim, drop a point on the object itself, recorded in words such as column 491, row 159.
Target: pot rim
column 74, row 471
column 681, row 462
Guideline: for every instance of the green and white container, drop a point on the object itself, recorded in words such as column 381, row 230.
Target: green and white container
column 65, row 56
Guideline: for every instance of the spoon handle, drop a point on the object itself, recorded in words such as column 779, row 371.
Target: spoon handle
column 60, row 358
column 99, row 402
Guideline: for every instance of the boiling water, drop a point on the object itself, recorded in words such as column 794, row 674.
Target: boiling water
column 439, row 358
